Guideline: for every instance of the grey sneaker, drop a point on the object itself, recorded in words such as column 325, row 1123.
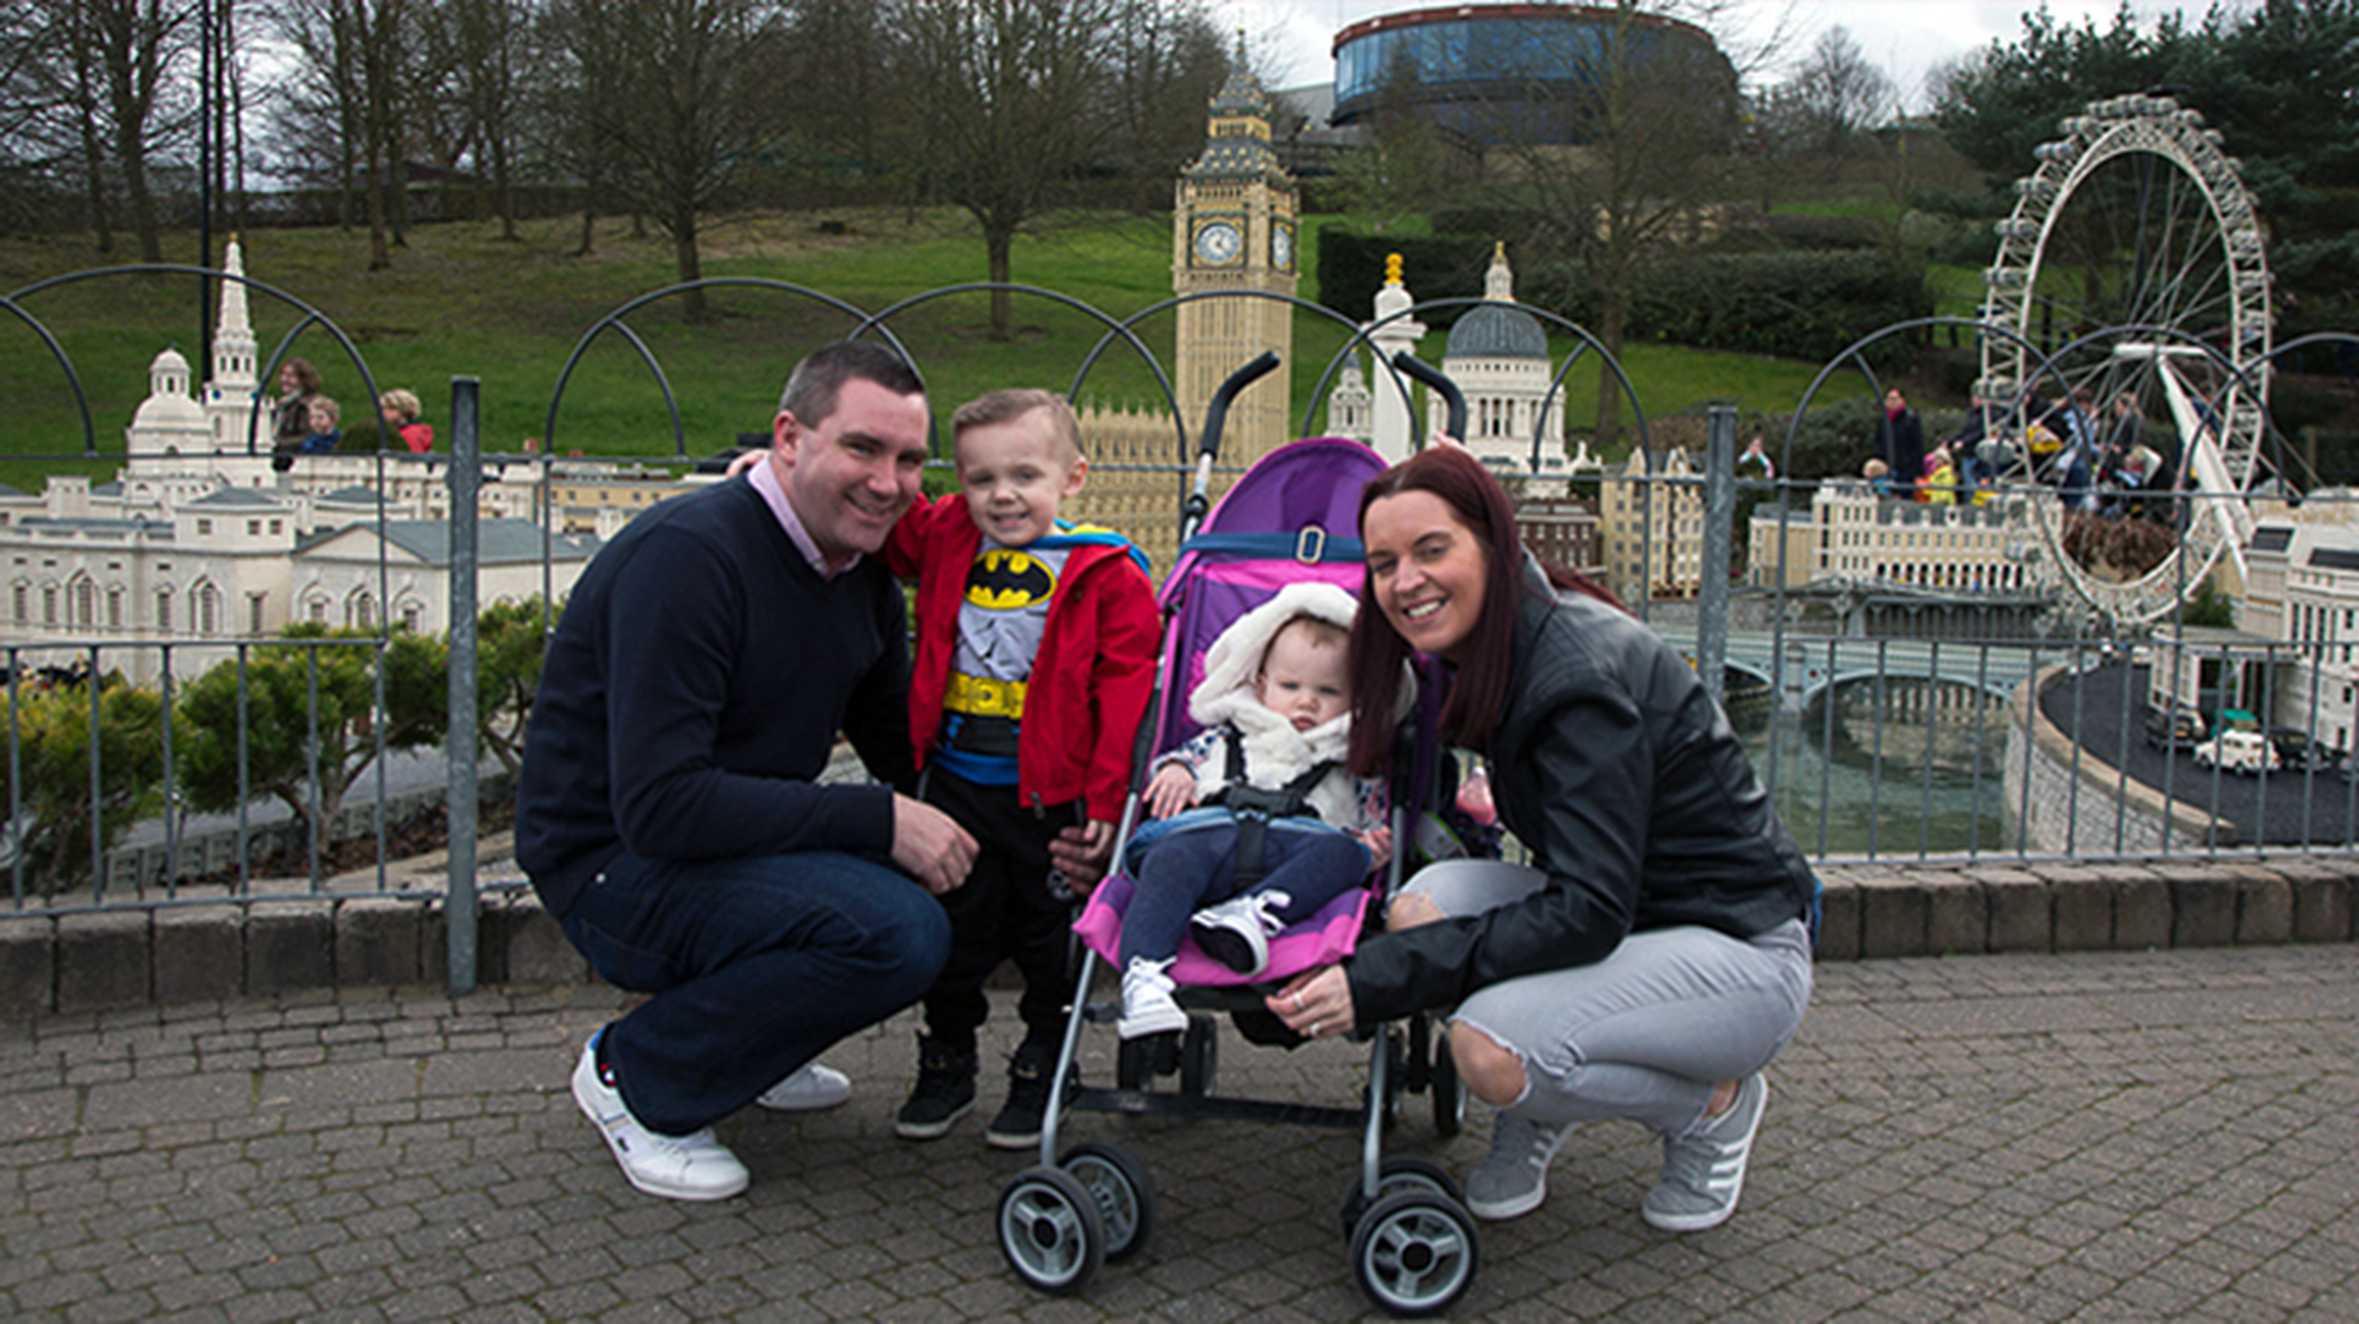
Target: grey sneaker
column 1703, row 1173
column 1512, row 1179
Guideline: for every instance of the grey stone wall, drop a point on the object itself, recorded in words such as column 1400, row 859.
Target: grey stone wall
column 2079, row 804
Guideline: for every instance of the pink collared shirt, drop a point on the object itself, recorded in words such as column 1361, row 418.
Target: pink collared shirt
column 764, row 477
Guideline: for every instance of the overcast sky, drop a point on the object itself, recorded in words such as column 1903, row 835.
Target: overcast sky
column 1904, row 37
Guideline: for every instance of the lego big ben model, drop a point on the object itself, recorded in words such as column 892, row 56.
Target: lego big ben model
column 1233, row 228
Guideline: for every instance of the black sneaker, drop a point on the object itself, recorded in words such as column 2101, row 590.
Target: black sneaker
column 945, row 1091
column 1019, row 1121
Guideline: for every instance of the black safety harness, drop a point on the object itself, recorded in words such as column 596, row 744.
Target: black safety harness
column 1254, row 808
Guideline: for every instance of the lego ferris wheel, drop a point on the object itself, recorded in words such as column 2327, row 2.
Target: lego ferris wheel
column 2134, row 255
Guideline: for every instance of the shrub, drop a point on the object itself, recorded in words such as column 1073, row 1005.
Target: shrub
column 1351, row 266
column 1795, row 305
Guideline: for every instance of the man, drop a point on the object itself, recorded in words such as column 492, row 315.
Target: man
column 670, row 814
column 1903, row 442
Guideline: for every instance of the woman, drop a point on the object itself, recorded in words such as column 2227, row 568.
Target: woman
column 298, row 385
column 1656, row 954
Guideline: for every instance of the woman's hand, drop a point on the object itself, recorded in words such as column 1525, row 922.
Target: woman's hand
column 1315, row 1003
column 746, row 460
column 1173, row 789
column 1379, row 844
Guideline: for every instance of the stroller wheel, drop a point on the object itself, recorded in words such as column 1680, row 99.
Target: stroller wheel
column 1050, row 1230
column 1401, row 1172
column 1199, row 1057
column 1415, row 1252
column 1126, row 1203
column 1449, row 1092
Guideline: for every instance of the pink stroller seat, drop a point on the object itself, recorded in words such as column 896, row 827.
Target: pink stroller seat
column 1323, row 939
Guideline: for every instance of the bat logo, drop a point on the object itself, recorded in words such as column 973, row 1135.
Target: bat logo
column 1004, row 579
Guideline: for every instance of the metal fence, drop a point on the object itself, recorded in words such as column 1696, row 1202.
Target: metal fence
column 1951, row 709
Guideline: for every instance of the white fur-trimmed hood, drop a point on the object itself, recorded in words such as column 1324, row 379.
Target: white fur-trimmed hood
column 1276, row 753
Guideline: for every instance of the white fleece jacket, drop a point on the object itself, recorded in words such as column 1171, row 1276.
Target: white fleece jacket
column 1276, row 753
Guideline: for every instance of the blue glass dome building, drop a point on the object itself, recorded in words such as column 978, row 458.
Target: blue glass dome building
column 1512, row 72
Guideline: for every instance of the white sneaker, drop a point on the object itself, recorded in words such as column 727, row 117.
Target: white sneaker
column 689, row 1167
column 1147, row 1007
column 1237, row 932
column 813, row 1086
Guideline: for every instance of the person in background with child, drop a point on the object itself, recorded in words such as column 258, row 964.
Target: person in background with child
column 326, row 430
column 1901, row 439
column 290, row 414
column 1258, row 823
column 1653, row 956
column 1035, row 656
column 399, row 409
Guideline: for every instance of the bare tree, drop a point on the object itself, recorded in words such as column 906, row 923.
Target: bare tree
column 319, row 109
column 1838, row 95
column 1652, row 100
column 687, row 99
column 140, row 49
column 1007, row 103
column 489, row 44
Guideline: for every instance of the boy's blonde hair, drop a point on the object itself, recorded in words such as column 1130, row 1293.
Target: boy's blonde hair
column 1874, row 468
column 325, row 405
column 1006, row 406
column 400, row 402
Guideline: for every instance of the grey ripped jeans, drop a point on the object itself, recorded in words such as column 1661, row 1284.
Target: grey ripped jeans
column 1644, row 1033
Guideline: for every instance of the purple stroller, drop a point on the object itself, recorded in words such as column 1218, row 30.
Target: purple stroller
column 1292, row 517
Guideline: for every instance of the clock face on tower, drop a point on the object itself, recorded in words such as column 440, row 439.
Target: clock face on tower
column 1282, row 247
column 1218, row 243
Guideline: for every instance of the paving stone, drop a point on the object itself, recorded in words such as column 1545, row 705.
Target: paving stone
column 102, row 960
column 2321, row 907
column 1838, row 925
column 1893, row 915
column 2203, row 910
column 28, row 967
column 1957, row 914
column 200, row 953
column 2022, row 910
column 377, row 941
column 537, row 950
column 2264, row 904
column 290, row 945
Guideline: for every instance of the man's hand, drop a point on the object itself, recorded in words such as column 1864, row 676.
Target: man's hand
column 1173, row 789
column 929, row 846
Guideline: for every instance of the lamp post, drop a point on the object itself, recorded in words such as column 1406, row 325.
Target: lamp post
column 206, row 147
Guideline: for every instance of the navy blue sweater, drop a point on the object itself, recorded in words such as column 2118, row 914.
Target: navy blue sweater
column 693, row 690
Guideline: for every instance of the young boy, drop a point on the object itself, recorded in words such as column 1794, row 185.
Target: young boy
column 399, row 409
column 1035, row 655
column 325, row 432
column 1275, row 705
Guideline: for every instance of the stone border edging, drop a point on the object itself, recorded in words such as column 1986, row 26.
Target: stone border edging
column 1871, row 910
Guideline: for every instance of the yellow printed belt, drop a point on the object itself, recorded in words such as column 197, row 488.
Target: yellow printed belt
column 980, row 696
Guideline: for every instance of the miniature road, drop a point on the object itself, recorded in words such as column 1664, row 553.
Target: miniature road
column 2103, row 1136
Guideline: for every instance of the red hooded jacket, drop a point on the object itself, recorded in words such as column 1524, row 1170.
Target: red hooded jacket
column 1092, row 677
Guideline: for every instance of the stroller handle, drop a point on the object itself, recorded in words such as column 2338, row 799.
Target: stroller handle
column 1216, row 414
column 1434, row 378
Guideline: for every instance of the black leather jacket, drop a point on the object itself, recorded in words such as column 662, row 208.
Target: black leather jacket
column 1632, row 792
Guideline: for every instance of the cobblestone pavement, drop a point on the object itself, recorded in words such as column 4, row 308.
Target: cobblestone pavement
column 2102, row 1136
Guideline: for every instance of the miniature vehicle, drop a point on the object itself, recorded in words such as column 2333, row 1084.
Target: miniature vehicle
column 2295, row 749
column 2239, row 752
column 2238, row 719
column 2165, row 729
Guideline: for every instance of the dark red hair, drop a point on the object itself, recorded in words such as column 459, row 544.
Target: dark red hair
column 1479, row 689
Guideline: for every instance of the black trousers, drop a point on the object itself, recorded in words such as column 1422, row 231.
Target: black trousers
column 1005, row 912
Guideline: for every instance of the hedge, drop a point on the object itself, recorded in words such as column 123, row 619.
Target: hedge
column 1807, row 306
column 1351, row 268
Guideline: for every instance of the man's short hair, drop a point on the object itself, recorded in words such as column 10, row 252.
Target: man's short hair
column 812, row 387
column 1006, row 406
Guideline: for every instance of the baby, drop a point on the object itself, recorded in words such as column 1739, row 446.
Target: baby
column 1256, row 821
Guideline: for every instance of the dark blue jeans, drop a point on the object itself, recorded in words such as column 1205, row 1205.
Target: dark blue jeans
column 1189, row 870
column 757, row 966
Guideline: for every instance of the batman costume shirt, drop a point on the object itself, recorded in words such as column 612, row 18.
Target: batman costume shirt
column 1000, row 623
